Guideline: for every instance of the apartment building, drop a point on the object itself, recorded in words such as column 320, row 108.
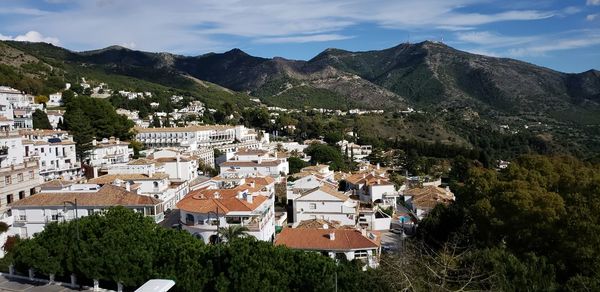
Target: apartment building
column 108, row 152
column 325, row 203
column 250, row 203
column 32, row 214
column 55, row 152
column 251, row 162
column 194, row 137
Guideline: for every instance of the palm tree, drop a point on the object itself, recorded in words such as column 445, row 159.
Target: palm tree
column 232, row 232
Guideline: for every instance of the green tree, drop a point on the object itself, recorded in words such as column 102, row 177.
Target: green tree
column 155, row 122
column 232, row 232
column 321, row 153
column 296, row 164
column 83, row 133
column 40, row 120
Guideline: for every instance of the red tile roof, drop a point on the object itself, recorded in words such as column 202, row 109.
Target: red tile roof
column 108, row 195
column 319, row 239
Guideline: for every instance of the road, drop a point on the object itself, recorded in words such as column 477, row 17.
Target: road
column 171, row 219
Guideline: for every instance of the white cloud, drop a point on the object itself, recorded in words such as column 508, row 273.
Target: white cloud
column 22, row 11
column 593, row 2
column 31, row 36
column 303, row 39
column 203, row 25
column 592, row 17
column 581, row 40
column 491, row 39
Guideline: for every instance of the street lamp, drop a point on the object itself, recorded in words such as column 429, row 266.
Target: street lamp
column 74, row 205
column 216, row 214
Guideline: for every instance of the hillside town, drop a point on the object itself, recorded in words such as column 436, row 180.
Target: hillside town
column 356, row 214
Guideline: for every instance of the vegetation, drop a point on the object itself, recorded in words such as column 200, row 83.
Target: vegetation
column 141, row 250
column 321, row 153
column 534, row 224
column 40, row 120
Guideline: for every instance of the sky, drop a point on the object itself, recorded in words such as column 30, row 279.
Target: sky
column 560, row 34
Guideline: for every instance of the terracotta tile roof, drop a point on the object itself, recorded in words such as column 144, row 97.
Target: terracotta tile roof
column 245, row 151
column 41, row 132
column 172, row 159
column 318, row 224
column 319, row 239
column 328, row 190
column 367, row 178
column 109, row 178
column 108, row 195
column 429, row 196
column 203, row 200
column 223, row 201
column 251, row 163
column 144, row 161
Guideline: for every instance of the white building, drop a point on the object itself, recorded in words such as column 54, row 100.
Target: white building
column 325, row 203
column 55, row 152
column 249, row 204
column 55, row 117
column 193, row 137
column 421, row 200
column 19, row 177
column 15, row 97
column 152, row 184
column 335, row 243
column 372, row 188
column 359, row 152
column 108, row 152
column 250, row 162
column 54, row 99
column 179, row 167
column 32, row 214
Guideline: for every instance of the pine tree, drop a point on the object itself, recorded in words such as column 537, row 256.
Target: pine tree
column 83, row 133
column 155, row 122
column 40, row 120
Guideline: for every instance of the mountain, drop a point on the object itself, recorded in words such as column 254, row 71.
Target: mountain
column 455, row 86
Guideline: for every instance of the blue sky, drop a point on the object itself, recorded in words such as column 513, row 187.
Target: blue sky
column 563, row 35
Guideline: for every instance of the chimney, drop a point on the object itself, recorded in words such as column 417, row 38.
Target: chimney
column 240, row 195
column 325, row 226
column 249, row 198
column 128, row 186
column 363, row 232
column 378, row 165
column 94, row 142
column 332, row 235
column 217, row 195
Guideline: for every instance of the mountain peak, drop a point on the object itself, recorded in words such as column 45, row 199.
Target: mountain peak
column 236, row 52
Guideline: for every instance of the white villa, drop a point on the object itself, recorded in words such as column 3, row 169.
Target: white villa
column 250, row 204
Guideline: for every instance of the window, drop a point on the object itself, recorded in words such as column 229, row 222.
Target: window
column 7, row 180
column 20, row 177
column 361, row 254
column 22, row 217
column 189, row 219
column 312, row 206
column 54, row 217
column 9, row 199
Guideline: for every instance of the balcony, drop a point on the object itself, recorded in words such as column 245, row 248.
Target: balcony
column 3, row 151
